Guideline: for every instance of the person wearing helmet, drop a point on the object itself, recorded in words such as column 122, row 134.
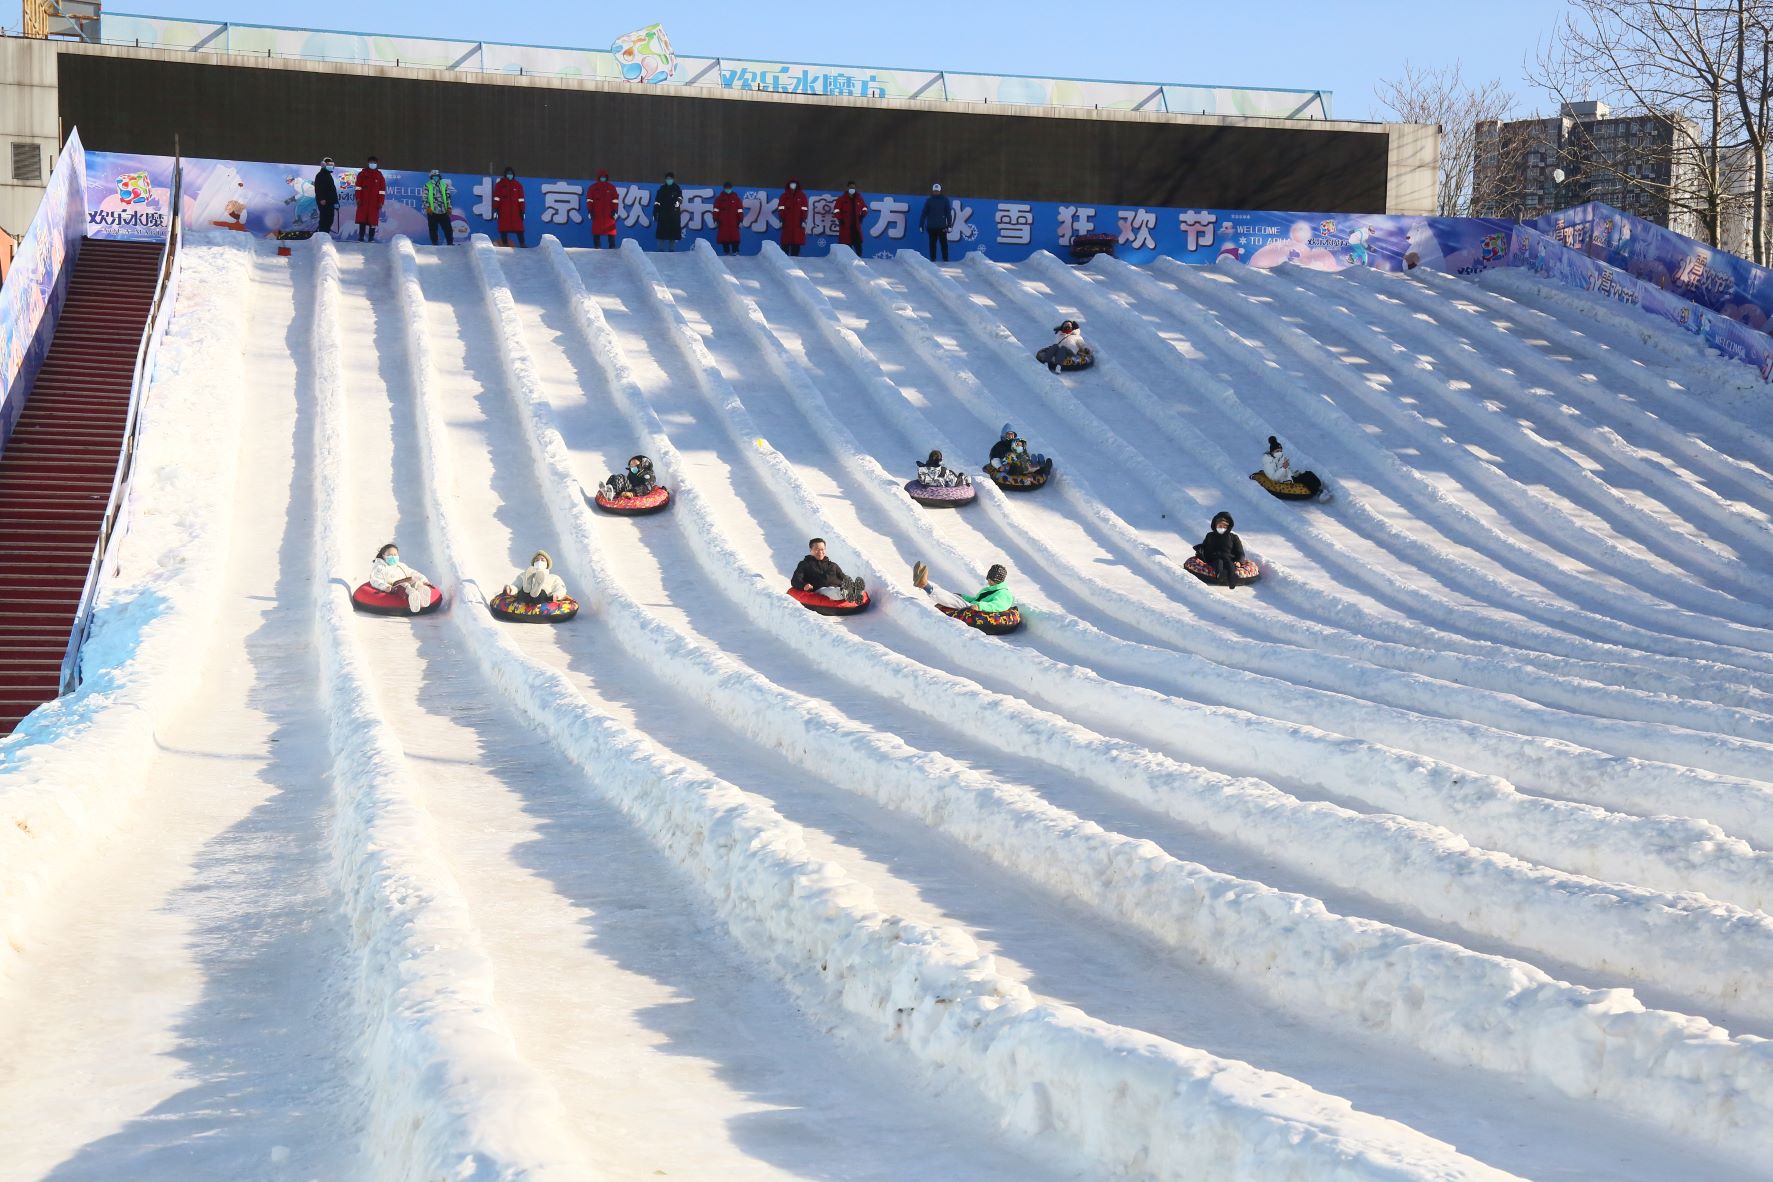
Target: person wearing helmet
column 438, row 197
column 537, row 582
column 936, row 220
column 1068, row 345
column 636, row 480
column 1222, row 549
column 993, row 597
column 933, row 473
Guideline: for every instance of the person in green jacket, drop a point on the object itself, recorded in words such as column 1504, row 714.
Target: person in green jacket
column 992, row 597
column 438, row 197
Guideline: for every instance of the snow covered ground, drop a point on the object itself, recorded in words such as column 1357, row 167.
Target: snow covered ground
column 1443, row 852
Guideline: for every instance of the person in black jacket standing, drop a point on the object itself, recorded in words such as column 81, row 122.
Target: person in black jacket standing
column 1222, row 550
column 326, row 196
column 818, row 573
column 668, row 213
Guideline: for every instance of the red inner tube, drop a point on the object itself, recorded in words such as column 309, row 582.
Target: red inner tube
column 651, row 502
column 828, row 607
column 390, row 603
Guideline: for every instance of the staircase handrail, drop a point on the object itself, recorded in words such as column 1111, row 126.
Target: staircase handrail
column 115, row 520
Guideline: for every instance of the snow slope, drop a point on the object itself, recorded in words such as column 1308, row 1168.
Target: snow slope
column 1445, row 851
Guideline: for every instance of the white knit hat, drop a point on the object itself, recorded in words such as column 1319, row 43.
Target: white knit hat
column 936, row 188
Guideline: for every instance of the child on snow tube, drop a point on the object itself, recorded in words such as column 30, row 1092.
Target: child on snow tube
column 390, row 576
column 932, row 473
column 535, row 593
column 1220, row 556
column 992, row 610
column 817, row 574
column 1010, row 455
column 636, row 480
column 1066, row 352
column 1278, row 477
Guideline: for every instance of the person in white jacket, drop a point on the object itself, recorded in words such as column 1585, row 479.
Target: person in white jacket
column 1280, row 469
column 537, row 582
column 388, row 573
column 1068, row 345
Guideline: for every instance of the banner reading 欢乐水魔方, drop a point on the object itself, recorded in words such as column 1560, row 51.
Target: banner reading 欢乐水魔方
column 127, row 193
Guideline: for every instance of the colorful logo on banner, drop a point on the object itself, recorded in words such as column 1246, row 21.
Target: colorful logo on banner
column 134, row 188
column 645, row 55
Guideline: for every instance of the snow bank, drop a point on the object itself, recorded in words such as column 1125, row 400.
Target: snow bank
column 1130, row 1100
column 72, row 771
column 1438, row 997
column 451, row 1098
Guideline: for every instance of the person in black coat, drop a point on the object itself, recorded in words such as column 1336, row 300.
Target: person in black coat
column 326, row 196
column 668, row 213
column 1222, row 549
column 818, row 573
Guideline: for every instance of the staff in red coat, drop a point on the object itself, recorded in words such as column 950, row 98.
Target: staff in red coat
column 372, row 190
column 603, row 201
column 729, row 215
column 508, row 208
column 791, row 208
column 850, row 209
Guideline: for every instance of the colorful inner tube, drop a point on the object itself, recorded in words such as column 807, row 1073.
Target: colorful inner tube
column 1083, row 360
column 639, row 506
column 937, row 496
column 391, row 603
column 1020, row 481
column 990, row 623
column 813, row 601
column 1292, row 490
column 1247, row 571
column 530, row 611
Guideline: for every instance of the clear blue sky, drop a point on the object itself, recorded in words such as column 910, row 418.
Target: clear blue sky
column 1344, row 46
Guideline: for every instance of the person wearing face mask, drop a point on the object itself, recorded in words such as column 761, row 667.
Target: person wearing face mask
column 372, row 190
column 537, row 582
column 507, row 199
column 602, row 201
column 326, row 195
column 668, row 213
column 729, row 215
column 1222, row 549
column 850, row 209
column 1067, row 348
column 634, row 481
column 391, row 576
column 438, row 197
column 791, row 207
column 1282, row 480
column 936, row 220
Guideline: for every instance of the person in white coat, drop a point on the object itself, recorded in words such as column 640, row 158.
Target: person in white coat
column 537, row 582
column 388, row 573
column 1279, row 469
column 1068, row 344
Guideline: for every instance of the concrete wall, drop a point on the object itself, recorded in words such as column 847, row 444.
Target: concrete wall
column 29, row 109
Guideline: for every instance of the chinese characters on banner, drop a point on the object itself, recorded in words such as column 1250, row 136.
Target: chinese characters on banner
column 276, row 200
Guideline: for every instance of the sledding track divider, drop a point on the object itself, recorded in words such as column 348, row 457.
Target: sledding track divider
column 72, row 773
column 1679, row 1053
column 1128, row 1099
column 449, row 1096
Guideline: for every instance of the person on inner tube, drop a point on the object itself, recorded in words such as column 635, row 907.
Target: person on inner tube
column 1222, row 550
column 537, row 582
column 1069, row 346
column 818, row 573
column 388, row 574
column 636, row 480
column 1280, row 469
column 932, row 473
column 993, row 597
column 1010, row 452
